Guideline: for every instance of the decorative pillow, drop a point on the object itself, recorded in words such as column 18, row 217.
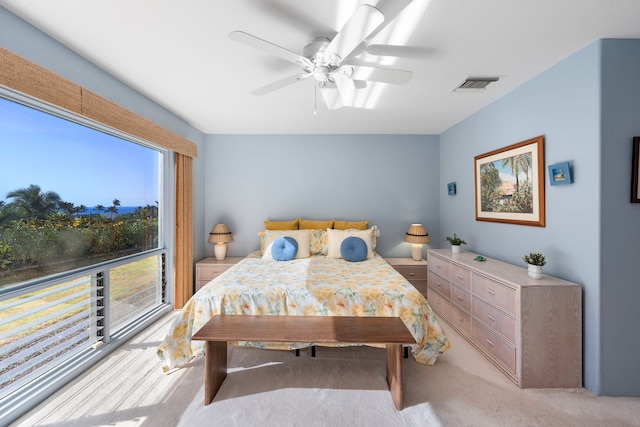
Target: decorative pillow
column 284, row 248
column 353, row 249
column 336, row 237
column 346, row 225
column 282, row 225
column 318, row 243
column 309, row 224
column 301, row 237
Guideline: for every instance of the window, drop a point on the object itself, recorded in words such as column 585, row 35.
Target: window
column 83, row 236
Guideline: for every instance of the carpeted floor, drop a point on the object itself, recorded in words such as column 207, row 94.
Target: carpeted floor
column 339, row 387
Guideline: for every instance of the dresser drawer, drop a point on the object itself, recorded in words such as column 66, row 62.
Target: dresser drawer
column 439, row 304
column 461, row 297
column 461, row 276
column 439, row 284
column 440, row 267
column 461, row 319
column 495, row 345
column 498, row 320
column 495, row 293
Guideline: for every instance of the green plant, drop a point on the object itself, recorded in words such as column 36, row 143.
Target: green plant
column 534, row 258
column 455, row 240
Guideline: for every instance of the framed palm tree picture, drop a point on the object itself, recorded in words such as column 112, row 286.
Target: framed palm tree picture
column 510, row 184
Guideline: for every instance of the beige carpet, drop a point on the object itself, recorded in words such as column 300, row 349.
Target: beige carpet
column 340, row 387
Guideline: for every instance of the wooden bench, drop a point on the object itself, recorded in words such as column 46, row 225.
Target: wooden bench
column 390, row 331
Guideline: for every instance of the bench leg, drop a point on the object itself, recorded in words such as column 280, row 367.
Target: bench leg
column 215, row 368
column 394, row 373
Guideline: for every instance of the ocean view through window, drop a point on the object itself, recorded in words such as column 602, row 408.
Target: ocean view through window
column 84, row 262
column 71, row 196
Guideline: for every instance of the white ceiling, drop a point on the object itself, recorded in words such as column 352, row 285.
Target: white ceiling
column 178, row 53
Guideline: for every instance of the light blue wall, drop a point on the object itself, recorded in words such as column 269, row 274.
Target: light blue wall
column 390, row 180
column 620, row 229
column 586, row 107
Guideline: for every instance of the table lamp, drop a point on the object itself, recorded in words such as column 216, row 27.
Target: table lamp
column 220, row 235
column 416, row 235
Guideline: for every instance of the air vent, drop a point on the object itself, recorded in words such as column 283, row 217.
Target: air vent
column 475, row 83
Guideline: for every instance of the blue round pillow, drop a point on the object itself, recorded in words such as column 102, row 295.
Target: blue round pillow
column 284, row 248
column 353, row 249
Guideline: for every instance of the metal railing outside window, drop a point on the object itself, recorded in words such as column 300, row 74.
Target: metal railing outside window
column 43, row 325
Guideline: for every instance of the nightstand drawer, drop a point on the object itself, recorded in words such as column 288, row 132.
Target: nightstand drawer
column 209, row 268
column 208, row 272
column 412, row 272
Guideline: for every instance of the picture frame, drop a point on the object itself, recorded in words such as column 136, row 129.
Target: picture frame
column 451, row 188
column 635, row 177
column 509, row 184
column 560, row 174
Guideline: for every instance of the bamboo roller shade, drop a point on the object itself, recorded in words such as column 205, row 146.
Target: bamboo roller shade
column 30, row 79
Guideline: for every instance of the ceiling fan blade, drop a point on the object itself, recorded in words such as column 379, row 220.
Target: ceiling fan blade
column 279, row 84
column 347, row 91
column 331, row 96
column 362, row 23
column 375, row 74
column 274, row 49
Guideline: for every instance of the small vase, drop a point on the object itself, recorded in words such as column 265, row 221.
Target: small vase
column 455, row 249
column 535, row 271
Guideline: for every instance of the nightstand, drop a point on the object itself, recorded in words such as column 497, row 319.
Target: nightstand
column 414, row 271
column 209, row 268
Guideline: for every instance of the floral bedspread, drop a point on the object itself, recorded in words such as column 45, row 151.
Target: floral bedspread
column 314, row 286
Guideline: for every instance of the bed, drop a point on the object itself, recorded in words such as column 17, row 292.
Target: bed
column 312, row 284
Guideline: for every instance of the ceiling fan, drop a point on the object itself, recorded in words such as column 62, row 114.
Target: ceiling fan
column 327, row 60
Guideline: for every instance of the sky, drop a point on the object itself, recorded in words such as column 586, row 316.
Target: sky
column 84, row 166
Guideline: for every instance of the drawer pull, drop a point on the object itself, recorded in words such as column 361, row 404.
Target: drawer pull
column 438, row 266
column 459, row 276
column 490, row 317
column 490, row 343
column 438, row 284
column 460, row 297
column 412, row 274
column 459, row 318
column 491, row 291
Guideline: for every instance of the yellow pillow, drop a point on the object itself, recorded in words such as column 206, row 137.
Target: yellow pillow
column 306, row 224
column 282, row 225
column 346, row 225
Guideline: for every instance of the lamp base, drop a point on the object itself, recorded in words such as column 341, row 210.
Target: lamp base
column 416, row 251
column 220, row 250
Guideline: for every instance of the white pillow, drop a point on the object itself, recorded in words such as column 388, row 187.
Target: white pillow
column 335, row 238
column 301, row 236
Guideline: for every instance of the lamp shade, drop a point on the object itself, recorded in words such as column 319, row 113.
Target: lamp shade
column 220, row 234
column 416, row 234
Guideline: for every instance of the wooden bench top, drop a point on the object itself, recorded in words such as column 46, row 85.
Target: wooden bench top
column 311, row 329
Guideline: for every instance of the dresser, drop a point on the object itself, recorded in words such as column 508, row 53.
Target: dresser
column 210, row 268
column 414, row 271
column 530, row 329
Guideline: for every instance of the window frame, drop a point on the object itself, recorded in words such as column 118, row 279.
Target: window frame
column 27, row 397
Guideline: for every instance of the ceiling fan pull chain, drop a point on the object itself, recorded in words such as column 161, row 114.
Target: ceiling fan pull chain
column 315, row 99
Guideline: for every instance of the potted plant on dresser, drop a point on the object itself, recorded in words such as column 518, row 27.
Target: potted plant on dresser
column 535, row 260
column 455, row 243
